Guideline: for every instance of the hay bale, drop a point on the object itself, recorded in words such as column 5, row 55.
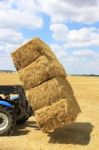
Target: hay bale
column 60, row 114
column 49, row 92
column 46, row 93
column 39, row 71
column 29, row 52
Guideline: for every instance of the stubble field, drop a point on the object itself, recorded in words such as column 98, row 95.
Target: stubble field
column 81, row 135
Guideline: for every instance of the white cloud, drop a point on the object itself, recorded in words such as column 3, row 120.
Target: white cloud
column 83, row 37
column 9, row 40
column 81, row 65
column 17, row 14
column 74, row 10
column 6, row 63
column 60, row 31
column 84, row 3
column 85, row 53
column 77, row 61
column 11, row 36
column 59, row 50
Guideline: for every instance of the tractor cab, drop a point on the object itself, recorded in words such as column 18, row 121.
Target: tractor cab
column 14, row 108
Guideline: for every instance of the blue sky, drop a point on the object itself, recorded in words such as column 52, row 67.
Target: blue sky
column 70, row 27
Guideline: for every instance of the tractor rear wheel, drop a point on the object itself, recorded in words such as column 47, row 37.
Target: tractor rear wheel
column 7, row 121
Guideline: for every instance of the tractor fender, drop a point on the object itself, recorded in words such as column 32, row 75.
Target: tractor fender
column 6, row 104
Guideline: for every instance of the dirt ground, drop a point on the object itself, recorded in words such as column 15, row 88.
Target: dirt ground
column 81, row 135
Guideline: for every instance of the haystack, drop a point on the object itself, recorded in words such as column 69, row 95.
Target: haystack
column 40, row 71
column 47, row 93
column 30, row 51
column 59, row 114
column 47, row 90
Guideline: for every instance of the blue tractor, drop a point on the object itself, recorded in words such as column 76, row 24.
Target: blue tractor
column 14, row 108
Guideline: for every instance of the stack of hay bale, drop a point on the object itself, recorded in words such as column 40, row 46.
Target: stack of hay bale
column 45, row 84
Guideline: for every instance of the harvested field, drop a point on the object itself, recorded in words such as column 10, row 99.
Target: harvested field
column 9, row 79
column 81, row 135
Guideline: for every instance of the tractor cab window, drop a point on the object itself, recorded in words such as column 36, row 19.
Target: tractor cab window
column 14, row 97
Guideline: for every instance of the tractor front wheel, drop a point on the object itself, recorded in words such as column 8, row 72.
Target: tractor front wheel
column 7, row 121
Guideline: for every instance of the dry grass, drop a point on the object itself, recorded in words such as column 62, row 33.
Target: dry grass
column 35, row 47
column 40, row 71
column 9, row 79
column 50, row 92
column 59, row 114
column 82, row 135
column 43, row 77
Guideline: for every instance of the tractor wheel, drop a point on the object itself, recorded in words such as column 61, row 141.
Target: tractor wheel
column 7, row 121
column 22, row 120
